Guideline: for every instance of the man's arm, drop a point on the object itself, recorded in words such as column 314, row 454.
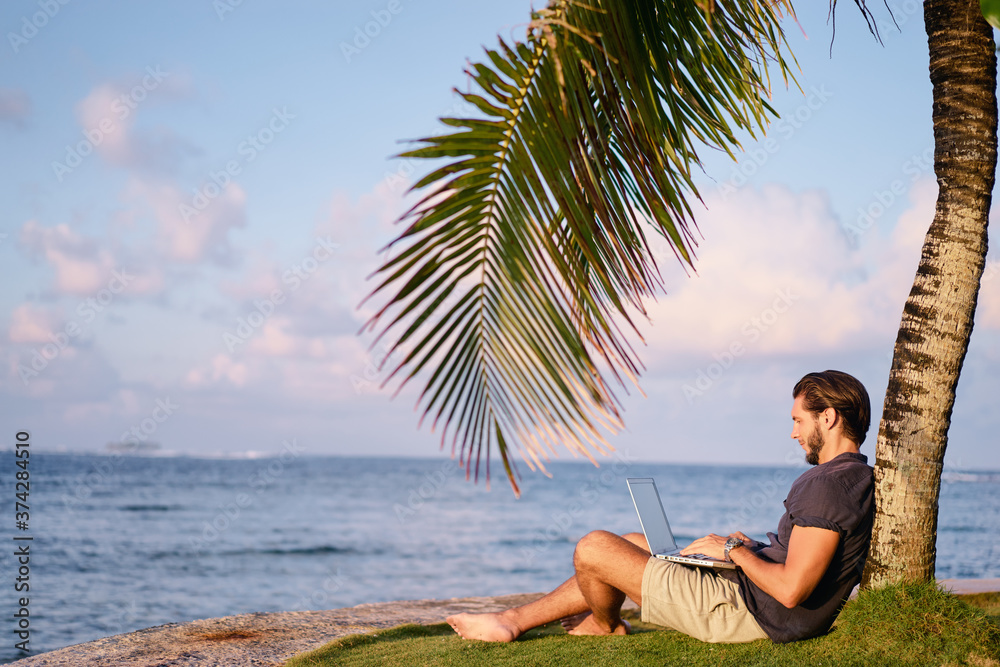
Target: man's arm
column 810, row 552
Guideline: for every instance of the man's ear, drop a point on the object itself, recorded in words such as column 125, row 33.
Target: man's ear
column 829, row 418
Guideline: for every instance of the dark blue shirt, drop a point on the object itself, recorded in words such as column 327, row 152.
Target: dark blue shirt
column 838, row 495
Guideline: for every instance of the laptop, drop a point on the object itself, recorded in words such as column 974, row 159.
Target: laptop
column 656, row 529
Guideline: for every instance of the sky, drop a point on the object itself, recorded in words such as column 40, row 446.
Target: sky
column 196, row 194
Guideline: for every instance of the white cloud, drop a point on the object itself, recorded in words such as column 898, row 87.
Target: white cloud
column 362, row 226
column 222, row 368
column 107, row 118
column 777, row 276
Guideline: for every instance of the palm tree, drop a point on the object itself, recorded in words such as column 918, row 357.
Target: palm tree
column 937, row 318
column 529, row 254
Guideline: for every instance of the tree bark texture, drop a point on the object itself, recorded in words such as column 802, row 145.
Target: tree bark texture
column 938, row 316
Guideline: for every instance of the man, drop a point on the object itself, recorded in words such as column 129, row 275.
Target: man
column 789, row 589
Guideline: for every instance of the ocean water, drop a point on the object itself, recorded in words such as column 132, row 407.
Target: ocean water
column 121, row 543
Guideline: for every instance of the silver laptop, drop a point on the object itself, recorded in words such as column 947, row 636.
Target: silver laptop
column 657, row 529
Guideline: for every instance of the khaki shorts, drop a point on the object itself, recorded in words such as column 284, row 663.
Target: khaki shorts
column 697, row 602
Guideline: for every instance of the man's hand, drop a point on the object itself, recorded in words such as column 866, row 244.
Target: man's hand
column 713, row 546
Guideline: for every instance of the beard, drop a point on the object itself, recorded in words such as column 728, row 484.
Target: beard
column 815, row 444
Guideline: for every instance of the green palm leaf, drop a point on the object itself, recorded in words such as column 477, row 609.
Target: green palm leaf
column 529, row 248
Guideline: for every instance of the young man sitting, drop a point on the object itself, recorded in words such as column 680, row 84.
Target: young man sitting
column 788, row 589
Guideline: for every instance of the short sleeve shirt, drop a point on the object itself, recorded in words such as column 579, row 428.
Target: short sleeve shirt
column 838, row 495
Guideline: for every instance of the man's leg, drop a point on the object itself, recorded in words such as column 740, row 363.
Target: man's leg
column 610, row 567
column 606, row 572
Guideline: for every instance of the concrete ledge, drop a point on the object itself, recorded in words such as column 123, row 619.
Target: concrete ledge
column 970, row 586
column 257, row 640
column 267, row 640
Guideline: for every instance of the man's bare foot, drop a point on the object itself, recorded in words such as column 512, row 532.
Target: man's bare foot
column 570, row 622
column 584, row 624
column 484, row 627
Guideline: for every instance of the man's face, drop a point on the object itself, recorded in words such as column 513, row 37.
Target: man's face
column 806, row 429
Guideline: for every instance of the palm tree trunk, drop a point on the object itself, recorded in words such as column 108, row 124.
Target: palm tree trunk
column 937, row 318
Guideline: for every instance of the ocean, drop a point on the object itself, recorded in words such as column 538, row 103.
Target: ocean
column 119, row 542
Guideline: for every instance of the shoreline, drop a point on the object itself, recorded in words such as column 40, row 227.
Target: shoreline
column 269, row 639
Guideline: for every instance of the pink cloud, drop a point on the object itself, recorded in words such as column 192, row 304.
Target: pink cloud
column 988, row 309
column 84, row 268
column 191, row 238
column 15, row 106
column 107, row 118
column 80, row 266
column 31, row 324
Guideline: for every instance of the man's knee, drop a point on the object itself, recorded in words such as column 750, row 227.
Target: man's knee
column 637, row 539
column 592, row 546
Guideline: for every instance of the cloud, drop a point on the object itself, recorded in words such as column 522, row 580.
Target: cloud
column 777, row 276
column 988, row 309
column 54, row 365
column 221, row 369
column 81, row 266
column 200, row 237
column 107, row 118
column 362, row 226
column 31, row 324
column 306, row 371
column 15, row 106
column 295, row 323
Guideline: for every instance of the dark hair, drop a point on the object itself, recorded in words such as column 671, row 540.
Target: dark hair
column 842, row 392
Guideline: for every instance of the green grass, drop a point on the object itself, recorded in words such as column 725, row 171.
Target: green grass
column 914, row 624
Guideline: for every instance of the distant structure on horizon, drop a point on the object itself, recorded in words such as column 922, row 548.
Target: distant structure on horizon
column 133, row 447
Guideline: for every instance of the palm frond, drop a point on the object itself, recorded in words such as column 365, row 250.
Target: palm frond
column 528, row 249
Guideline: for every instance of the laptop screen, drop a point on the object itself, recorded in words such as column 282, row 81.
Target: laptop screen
column 651, row 515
